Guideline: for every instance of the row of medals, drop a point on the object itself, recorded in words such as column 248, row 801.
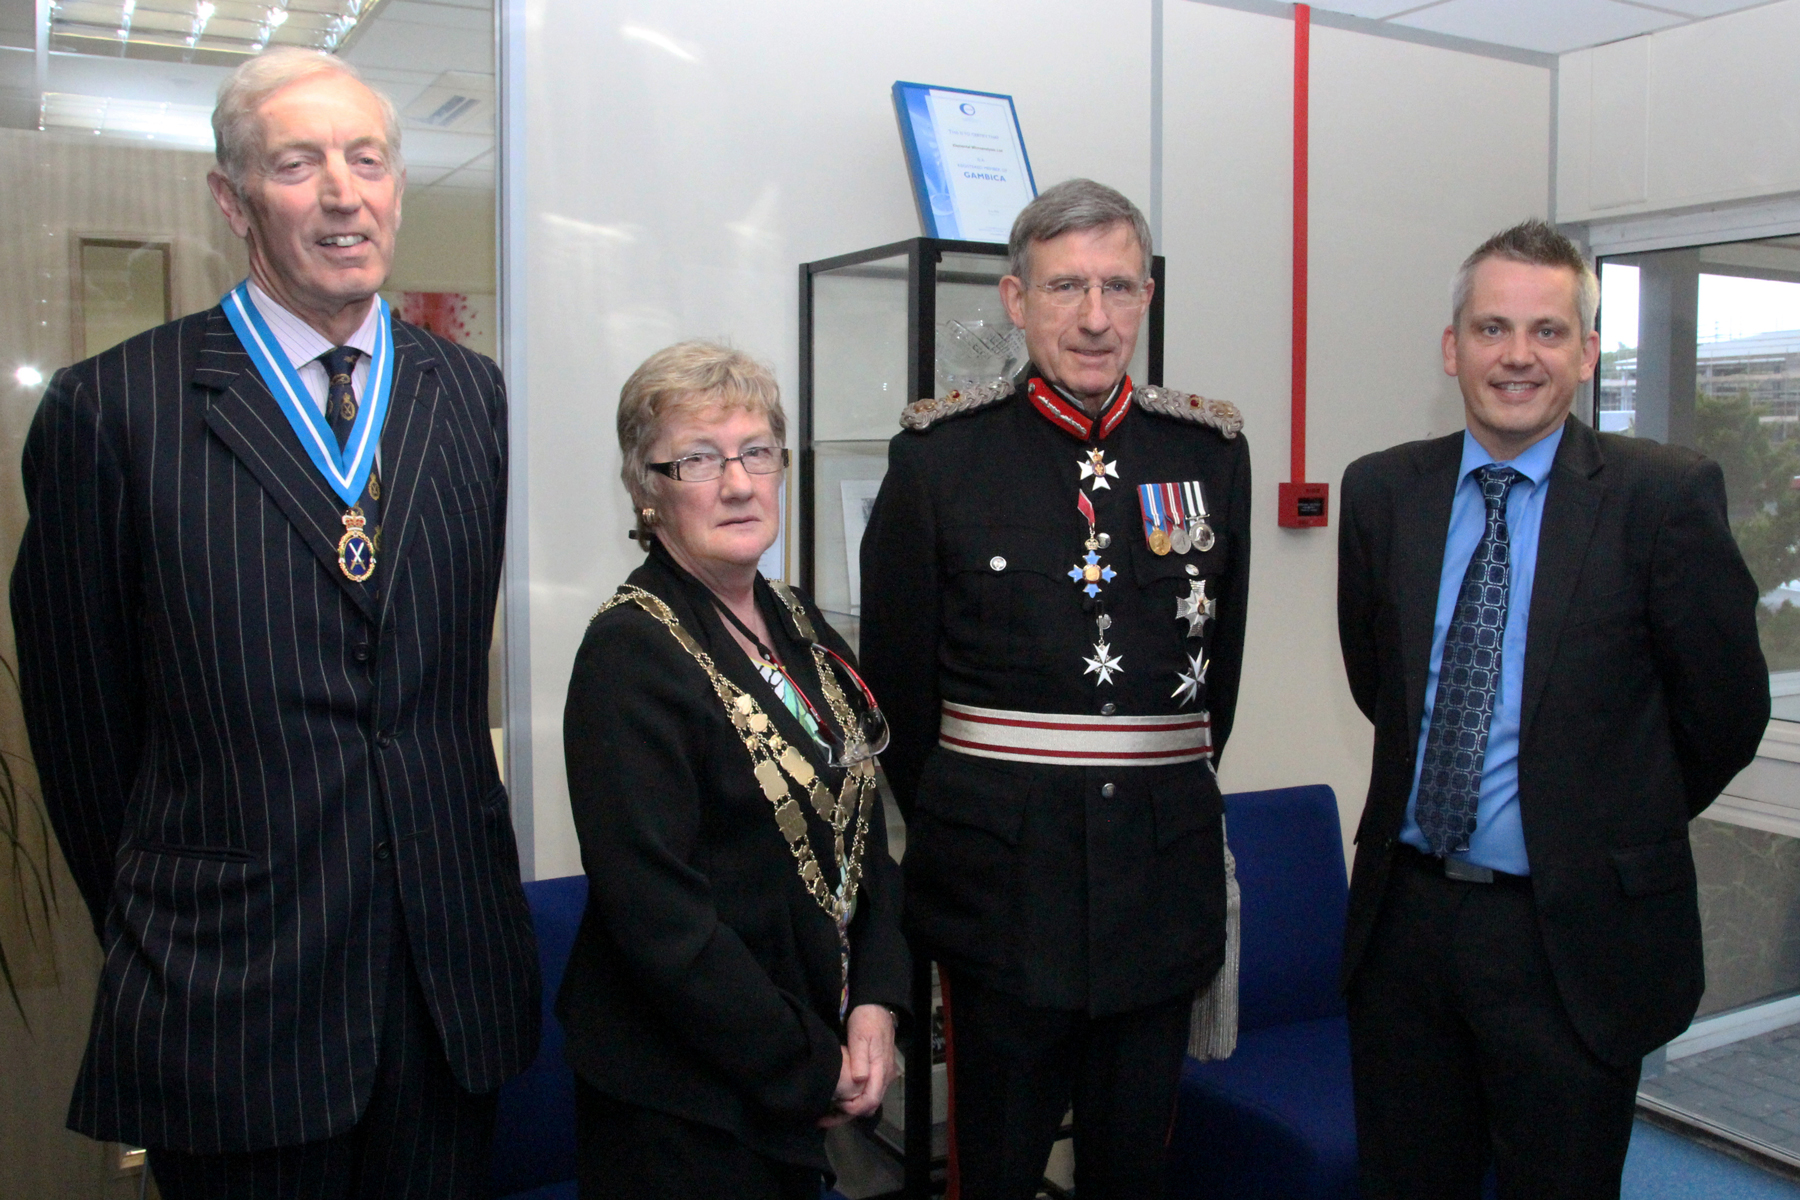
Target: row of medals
column 1196, row 608
column 1193, row 534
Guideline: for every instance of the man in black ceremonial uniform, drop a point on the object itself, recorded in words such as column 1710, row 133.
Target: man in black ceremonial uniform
column 1054, row 585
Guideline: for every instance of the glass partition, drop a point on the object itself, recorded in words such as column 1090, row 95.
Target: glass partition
column 1700, row 346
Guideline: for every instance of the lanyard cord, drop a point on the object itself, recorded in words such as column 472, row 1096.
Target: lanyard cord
column 775, row 664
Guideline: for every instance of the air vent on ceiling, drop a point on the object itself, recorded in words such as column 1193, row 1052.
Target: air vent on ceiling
column 460, row 100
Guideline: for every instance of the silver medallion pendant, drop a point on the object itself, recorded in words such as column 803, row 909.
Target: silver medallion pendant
column 1179, row 541
column 1196, row 608
column 1202, row 537
column 1103, row 663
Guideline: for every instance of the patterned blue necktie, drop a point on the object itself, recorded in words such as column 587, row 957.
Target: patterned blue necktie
column 340, row 397
column 1469, row 677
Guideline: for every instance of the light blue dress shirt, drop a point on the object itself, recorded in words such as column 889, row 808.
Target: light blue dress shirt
column 1499, row 839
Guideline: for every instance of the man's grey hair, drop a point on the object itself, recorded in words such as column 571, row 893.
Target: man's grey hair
column 1073, row 204
column 237, row 137
column 1538, row 244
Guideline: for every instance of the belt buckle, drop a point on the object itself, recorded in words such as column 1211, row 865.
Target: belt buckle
column 1466, row 872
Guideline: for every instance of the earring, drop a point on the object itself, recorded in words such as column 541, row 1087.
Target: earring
column 647, row 515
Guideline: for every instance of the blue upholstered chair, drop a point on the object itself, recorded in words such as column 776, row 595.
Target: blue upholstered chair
column 534, row 1139
column 1275, row 1119
column 534, row 1135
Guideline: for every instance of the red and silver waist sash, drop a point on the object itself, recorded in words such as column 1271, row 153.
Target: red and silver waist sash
column 1074, row 739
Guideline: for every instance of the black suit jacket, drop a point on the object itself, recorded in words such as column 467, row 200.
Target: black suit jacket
column 705, row 979
column 1098, row 889
column 1645, row 692
column 256, row 768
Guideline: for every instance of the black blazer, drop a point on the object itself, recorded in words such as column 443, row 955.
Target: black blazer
column 1098, row 889
column 243, row 752
column 1645, row 692
column 705, row 979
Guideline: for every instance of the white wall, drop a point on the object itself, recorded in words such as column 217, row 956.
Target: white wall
column 1701, row 114
column 1417, row 154
column 671, row 191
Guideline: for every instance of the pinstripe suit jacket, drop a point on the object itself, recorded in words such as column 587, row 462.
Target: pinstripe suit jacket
column 243, row 752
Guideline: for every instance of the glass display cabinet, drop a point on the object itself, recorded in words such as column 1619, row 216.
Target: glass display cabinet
column 879, row 329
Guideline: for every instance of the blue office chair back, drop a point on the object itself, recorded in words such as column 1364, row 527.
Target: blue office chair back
column 1290, row 861
column 534, row 1136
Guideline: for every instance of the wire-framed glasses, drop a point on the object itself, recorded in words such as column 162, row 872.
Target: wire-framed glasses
column 710, row 464
column 1118, row 295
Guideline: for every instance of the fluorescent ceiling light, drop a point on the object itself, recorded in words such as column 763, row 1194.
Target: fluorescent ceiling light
column 188, row 126
column 29, row 376
column 216, row 31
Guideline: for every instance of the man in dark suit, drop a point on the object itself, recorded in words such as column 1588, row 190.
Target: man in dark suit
column 253, row 606
column 1554, row 635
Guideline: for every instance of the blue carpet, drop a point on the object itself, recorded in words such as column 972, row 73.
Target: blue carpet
column 1666, row 1166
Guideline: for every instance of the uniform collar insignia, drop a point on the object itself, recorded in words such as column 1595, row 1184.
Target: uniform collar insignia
column 1060, row 410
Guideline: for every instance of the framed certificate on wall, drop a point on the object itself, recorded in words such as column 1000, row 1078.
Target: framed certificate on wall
column 966, row 155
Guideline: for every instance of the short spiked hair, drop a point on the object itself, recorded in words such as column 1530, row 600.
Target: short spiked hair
column 1539, row 244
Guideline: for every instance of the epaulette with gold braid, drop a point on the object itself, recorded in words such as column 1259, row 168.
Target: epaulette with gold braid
column 1222, row 415
column 922, row 413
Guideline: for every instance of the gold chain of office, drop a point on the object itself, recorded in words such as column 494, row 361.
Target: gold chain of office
column 774, row 761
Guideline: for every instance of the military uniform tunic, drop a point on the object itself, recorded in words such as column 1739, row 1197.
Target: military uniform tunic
column 1091, row 888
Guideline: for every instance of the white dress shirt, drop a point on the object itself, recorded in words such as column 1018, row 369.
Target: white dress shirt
column 303, row 344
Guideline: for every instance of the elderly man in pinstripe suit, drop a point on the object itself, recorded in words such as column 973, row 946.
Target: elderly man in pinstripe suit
column 253, row 607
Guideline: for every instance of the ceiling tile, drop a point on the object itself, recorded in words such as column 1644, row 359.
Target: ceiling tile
column 1549, row 26
column 1372, row 9
column 409, row 45
column 470, row 179
column 437, row 148
column 1707, row 8
column 475, row 18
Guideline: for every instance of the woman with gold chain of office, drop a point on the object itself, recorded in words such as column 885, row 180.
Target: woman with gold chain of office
column 736, row 980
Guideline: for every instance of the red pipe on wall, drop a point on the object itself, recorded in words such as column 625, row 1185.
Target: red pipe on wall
column 1302, row 102
column 1303, row 505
